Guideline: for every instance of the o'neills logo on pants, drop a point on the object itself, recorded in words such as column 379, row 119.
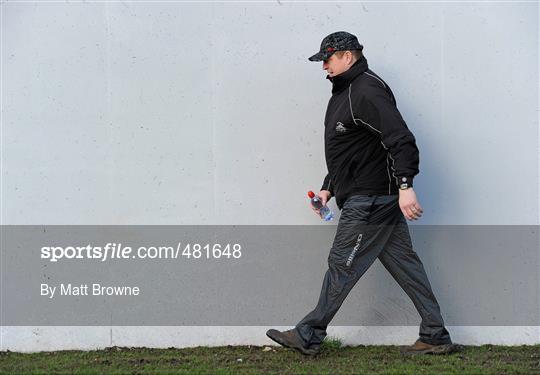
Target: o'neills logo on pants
column 356, row 247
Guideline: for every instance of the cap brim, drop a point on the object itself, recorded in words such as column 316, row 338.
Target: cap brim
column 320, row 56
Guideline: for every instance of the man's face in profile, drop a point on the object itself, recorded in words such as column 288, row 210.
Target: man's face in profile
column 337, row 64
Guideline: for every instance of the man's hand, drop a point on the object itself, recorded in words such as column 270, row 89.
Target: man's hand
column 409, row 204
column 324, row 196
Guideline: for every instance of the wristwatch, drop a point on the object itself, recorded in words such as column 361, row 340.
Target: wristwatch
column 405, row 183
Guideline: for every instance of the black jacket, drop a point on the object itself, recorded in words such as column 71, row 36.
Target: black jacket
column 368, row 147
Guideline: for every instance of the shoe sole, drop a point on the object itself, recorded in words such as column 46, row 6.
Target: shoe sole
column 439, row 349
column 285, row 344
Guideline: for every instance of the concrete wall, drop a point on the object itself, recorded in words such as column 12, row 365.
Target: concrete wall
column 209, row 113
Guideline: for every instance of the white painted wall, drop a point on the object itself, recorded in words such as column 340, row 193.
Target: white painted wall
column 34, row 339
column 209, row 113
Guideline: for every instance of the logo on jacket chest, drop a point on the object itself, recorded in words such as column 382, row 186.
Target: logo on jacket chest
column 340, row 128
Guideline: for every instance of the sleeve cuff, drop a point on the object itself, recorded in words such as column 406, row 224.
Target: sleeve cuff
column 405, row 182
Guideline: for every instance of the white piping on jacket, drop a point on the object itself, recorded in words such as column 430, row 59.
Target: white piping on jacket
column 393, row 168
column 384, row 146
column 377, row 78
column 388, row 171
column 393, row 163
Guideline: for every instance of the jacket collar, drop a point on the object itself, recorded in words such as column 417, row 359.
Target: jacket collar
column 343, row 80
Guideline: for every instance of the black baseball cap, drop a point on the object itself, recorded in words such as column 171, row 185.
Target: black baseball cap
column 338, row 41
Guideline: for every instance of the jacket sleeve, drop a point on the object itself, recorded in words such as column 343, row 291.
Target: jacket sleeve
column 327, row 184
column 377, row 111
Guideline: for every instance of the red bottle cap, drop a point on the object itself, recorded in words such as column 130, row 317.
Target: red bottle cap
column 310, row 194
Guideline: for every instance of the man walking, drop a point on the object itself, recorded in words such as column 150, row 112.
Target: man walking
column 372, row 159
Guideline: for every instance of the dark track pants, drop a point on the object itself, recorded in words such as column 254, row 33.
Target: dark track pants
column 371, row 227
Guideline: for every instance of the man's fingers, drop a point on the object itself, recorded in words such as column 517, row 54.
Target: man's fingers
column 415, row 214
column 415, row 211
column 411, row 209
column 411, row 213
column 406, row 214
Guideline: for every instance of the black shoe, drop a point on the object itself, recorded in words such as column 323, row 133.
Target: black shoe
column 291, row 339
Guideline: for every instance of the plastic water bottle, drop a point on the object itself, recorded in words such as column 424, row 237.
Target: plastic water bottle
column 326, row 213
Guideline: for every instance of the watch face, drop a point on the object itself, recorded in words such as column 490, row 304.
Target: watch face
column 403, row 186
